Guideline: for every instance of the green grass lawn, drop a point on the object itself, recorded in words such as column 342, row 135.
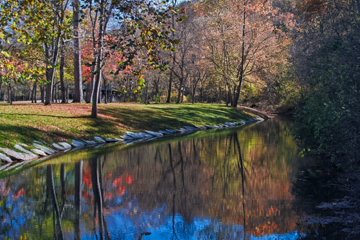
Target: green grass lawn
column 25, row 122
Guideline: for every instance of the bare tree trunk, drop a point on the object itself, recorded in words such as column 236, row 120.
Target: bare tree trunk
column 50, row 70
column 105, row 88
column 9, row 94
column 35, row 92
column 32, row 93
column 98, row 66
column 179, row 92
column 62, row 64
column 100, row 90
column 169, row 88
column 227, row 95
column 54, row 93
column 1, row 81
column 42, row 93
column 241, row 78
column 182, row 94
column 78, row 92
column 50, row 86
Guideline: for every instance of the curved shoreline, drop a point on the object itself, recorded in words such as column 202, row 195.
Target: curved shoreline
column 40, row 151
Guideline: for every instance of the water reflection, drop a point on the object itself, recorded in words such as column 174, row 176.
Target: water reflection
column 223, row 185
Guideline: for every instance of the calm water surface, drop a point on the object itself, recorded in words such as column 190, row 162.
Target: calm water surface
column 230, row 184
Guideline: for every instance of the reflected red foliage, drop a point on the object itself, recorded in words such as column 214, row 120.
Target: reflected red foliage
column 117, row 181
column 87, row 177
column 121, row 190
column 108, row 195
column 128, row 179
column 21, row 192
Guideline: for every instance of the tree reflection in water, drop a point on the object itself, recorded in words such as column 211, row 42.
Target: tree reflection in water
column 226, row 185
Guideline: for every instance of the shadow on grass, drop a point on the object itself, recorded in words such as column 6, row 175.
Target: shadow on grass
column 116, row 120
column 158, row 118
column 43, row 115
column 11, row 133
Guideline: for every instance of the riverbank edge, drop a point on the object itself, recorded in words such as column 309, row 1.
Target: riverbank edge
column 15, row 162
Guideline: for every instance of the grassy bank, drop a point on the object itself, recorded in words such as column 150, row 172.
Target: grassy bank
column 25, row 122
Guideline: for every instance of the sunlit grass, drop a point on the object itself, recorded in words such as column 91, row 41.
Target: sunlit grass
column 25, row 122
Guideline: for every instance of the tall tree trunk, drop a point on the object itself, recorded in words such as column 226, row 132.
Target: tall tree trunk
column 179, row 92
column 105, row 88
column 9, row 94
column 1, row 81
column 50, row 70
column 49, row 87
column 227, row 95
column 182, row 94
column 78, row 92
column 42, row 93
column 169, row 88
column 54, row 93
column 98, row 64
column 193, row 93
column 62, row 80
column 32, row 94
column 241, row 78
column 90, row 86
column 100, row 90
column 35, row 92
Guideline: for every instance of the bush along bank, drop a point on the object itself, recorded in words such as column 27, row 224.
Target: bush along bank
column 39, row 150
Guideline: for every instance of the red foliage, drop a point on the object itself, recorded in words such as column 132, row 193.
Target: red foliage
column 117, row 181
column 21, row 192
column 87, row 177
column 121, row 190
column 128, row 179
column 108, row 195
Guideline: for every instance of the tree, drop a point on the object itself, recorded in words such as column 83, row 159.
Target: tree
column 141, row 35
column 242, row 40
column 183, row 60
column 78, row 92
column 325, row 54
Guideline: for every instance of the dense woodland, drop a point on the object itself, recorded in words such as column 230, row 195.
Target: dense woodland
column 300, row 56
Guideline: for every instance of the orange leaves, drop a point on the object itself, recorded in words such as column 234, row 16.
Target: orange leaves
column 312, row 7
column 263, row 229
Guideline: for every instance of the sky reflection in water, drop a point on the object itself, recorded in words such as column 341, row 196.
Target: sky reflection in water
column 196, row 187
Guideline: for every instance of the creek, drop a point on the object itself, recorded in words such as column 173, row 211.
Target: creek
column 220, row 184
